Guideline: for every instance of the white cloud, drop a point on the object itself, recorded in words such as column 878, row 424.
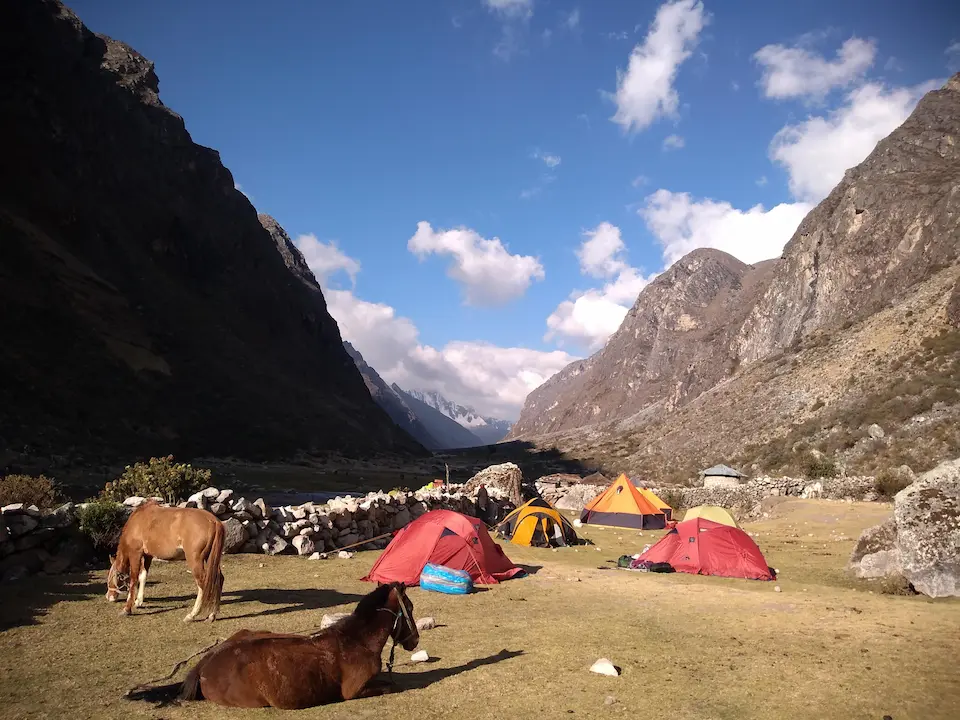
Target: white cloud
column 590, row 317
column 622, row 35
column 511, row 8
column 735, row 86
column 817, row 151
column 673, row 142
column 640, row 180
column 682, row 224
column 645, row 92
column 893, row 64
column 515, row 16
column 239, row 187
column 495, row 380
column 794, row 72
column 761, row 181
column 550, row 160
column 487, row 272
column 953, row 57
column 326, row 259
column 572, row 20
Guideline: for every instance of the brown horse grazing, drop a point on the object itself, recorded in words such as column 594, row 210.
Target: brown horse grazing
column 169, row 533
column 264, row 669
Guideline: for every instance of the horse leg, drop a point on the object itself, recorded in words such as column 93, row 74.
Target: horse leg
column 196, row 567
column 356, row 681
column 135, row 559
column 147, row 559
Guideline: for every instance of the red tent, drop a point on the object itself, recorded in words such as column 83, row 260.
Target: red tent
column 704, row 547
column 447, row 538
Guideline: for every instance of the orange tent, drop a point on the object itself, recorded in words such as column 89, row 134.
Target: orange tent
column 623, row 505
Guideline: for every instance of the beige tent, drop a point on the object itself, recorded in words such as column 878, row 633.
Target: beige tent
column 711, row 512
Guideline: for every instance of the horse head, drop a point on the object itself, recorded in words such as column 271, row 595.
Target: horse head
column 117, row 581
column 405, row 632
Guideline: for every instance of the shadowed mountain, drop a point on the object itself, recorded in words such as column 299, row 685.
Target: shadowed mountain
column 145, row 308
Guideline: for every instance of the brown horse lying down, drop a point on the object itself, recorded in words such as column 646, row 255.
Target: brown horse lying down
column 169, row 533
column 264, row 669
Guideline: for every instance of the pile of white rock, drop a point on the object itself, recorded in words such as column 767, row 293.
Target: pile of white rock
column 363, row 522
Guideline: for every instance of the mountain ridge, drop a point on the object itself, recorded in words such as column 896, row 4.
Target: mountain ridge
column 883, row 243
column 131, row 263
column 488, row 429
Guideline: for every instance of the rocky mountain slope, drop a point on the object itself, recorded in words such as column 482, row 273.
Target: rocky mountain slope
column 145, row 308
column 448, row 432
column 767, row 366
column 392, row 401
column 488, row 429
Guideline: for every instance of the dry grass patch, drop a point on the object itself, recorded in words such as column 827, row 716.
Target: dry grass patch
column 712, row 647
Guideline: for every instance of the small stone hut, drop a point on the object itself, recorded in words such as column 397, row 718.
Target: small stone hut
column 721, row 476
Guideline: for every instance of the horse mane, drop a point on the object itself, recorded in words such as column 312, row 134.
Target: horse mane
column 373, row 600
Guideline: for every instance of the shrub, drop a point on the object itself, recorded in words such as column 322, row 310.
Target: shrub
column 29, row 490
column 160, row 477
column 820, row 467
column 102, row 521
column 889, row 482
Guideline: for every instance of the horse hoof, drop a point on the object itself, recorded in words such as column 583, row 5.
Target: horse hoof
column 189, row 618
column 126, row 612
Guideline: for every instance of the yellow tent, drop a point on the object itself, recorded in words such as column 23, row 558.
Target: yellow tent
column 537, row 523
column 657, row 502
column 711, row 512
column 624, row 505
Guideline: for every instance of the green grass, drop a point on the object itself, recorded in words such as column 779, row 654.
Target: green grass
column 689, row 647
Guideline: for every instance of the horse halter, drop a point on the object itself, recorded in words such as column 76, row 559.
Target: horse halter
column 401, row 614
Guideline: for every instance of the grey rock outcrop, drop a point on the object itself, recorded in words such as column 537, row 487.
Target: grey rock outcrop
column 505, row 477
column 927, row 515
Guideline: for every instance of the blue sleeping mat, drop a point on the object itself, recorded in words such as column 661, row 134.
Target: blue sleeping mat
column 445, row 580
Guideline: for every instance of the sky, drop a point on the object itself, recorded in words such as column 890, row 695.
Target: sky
column 483, row 187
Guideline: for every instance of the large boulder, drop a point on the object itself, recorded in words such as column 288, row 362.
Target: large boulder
column 576, row 496
column 927, row 515
column 875, row 554
column 236, row 535
column 506, row 477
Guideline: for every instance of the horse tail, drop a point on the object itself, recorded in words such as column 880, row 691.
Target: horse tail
column 212, row 576
column 190, row 687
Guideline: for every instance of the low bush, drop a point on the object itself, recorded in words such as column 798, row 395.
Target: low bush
column 889, row 482
column 102, row 521
column 30, row 490
column 160, row 477
column 820, row 467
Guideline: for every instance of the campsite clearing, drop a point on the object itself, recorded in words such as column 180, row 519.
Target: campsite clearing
column 688, row 646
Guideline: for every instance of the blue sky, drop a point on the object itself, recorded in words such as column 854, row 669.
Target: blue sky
column 352, row 123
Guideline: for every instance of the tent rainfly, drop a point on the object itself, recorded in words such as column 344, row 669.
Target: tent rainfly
column 447, row 538
column 624, row 505
column 711, row 512
column 537, row 523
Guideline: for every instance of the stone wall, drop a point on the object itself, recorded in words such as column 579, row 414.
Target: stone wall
column 35, row 541
column 40, row 541
column 743, row 498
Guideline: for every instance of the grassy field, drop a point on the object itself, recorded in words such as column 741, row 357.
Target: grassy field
column 689, row 647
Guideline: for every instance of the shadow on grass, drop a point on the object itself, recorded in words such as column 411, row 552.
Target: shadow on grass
column 285, row 600
column 530, row 569
column 24, row 602
column 417, row 681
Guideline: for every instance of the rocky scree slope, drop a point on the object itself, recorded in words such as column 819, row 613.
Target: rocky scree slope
column 856, row 323
column 145, row 309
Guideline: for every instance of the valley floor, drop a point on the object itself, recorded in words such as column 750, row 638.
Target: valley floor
column 689, row 647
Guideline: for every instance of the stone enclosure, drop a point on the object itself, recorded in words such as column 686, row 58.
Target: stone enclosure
column 33, row 540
